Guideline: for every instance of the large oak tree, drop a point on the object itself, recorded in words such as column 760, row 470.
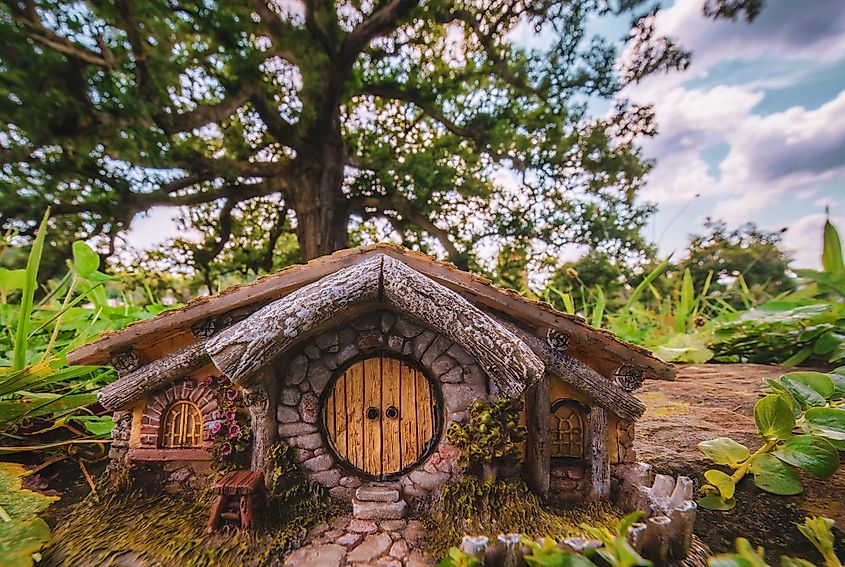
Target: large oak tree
column 448, row 122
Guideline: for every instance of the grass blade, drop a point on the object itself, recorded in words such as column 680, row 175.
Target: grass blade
column 28, row 295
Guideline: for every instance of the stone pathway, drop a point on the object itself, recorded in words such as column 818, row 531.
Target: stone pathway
column 353, row 541
column 376, row 534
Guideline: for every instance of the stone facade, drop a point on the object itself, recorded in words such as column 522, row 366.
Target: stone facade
column 460, row 379
column 625, row 442
column 569, row 482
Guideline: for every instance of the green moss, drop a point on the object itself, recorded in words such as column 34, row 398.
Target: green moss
column 165, row 529
column 470, row 506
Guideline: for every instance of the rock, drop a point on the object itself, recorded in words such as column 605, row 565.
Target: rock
column 458, row 397
column 372, row 546
column 387, row 320
column 349, row 539
column 296, row 429
column 309, row 408
column 290, row 396
column 327, row 340
column 326, row 555
column 327, row 478
column 393, row 525
column 418, row 559
column 318, row 376
column 287, row 414
column 379, row 510
column 458, row 353
column 414, row 531
column 437, row 347
column 395, row 343
column 317, row 531
column 399, row 549
column 342, row 493
column 443, row 364
column 406, row 328
column 297, row 369
column 362, row 526
column 332, row 535
column 475, row 375
column 310, row 441
column 421, row 342
column 312, row 352
column 388, row 562
column 340, row 522
column 319, row 463
column 453, row 376
column 428, row 480
column 350, row 482
column 375, row 493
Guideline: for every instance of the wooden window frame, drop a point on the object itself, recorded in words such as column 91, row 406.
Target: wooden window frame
column 167, row 429
column 581, row 412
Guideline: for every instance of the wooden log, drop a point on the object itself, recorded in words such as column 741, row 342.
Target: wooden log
column 582, row 377
column 136, row 384
column 261, row 402
column 599, row 457
column 509, row 362
column 537, row 454
column 245, row 347
column 214, row 516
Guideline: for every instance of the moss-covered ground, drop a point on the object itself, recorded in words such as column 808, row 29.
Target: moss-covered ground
column 163, row 529
column 470, row 506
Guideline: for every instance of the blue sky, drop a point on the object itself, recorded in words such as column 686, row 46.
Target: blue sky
column 753, row 131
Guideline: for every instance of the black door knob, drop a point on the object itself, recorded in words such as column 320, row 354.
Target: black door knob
column 391, row 412
column 372, row 413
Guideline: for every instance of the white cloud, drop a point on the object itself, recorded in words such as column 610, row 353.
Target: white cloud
column 804, row 239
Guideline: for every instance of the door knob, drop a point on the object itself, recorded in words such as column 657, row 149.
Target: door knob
column 372, row 413
column 391, row 412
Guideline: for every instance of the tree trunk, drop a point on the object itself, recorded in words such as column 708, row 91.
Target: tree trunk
column 322, row 211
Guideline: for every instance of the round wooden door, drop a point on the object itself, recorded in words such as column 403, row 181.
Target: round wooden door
column 381, row 416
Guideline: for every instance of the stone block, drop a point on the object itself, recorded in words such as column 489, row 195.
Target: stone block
column 421, row 343
column 327, row 340
column 458, row 397
column 437, row 347
column 326, row 555
column 453, row 376
column 350, row 482
column 362, row 526
column 297, row 369
column 387, row 321
column 310, row 441
column 342, row 493
column 393, row 525
column 369, row 549
column 290, row 396
column 379, row 510
column 309, row 408
column 319, row 463
column 296, row 429
column 328, row 478
column 349, row 539
column 427, row 480
column 406, row 328
column 312, row 352
column 375, row 493
column 318, row 376
column 286, row 414
column 399, row 549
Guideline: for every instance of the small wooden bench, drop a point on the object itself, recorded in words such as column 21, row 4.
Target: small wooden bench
column 239, row 493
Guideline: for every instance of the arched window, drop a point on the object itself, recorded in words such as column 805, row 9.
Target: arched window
column 566, row 430
column 182, row 425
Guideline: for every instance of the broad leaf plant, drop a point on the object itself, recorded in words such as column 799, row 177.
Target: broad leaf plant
column 801, row 423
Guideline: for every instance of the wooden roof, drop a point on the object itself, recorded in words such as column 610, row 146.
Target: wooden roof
column 585, row 341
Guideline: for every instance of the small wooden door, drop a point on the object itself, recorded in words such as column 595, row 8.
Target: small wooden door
column 380, row 416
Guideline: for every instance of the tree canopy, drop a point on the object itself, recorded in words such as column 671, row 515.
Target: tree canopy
column 446, row 124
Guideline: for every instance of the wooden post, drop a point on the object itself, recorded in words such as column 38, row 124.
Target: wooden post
column 537, row 457
column 599, row 457
column 261, row 402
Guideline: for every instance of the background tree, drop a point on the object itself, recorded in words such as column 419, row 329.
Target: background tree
column 337, row 114
column 581, row 278
column 748, row 251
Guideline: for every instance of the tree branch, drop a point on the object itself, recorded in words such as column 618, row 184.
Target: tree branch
column 417, row 97
column 207, row 114
column 383, row 19
column 283, row 131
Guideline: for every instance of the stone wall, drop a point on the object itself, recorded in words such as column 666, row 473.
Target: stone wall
column 460, row 379
column 569, row 482
column 625, row 442
column 160, row 401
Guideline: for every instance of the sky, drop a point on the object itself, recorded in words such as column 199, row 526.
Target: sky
column 752, row 131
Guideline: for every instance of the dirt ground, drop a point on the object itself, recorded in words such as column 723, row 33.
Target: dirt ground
column 710, row 401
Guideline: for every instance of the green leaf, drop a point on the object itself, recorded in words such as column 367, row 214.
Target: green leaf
column 827, row 422
column 724, row 451
column 745, row 556
column 85, row 261
column 721, row 481
column 819, row 382
column 714, row 502
column 11, row 280
column 19, row 540
column 28, row 295
column 773, row 417
column 802, row 393
column 771, row 475
column 828, row 342
column 813, row 454
column 838, row 386
column 832, row 250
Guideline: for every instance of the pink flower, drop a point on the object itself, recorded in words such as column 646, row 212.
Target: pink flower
column 234, row 431
column 226, row 449
column 231, row 415
column 214, row 426
column 231, row 395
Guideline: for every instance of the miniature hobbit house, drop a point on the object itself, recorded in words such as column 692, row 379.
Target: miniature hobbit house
column 360, row 361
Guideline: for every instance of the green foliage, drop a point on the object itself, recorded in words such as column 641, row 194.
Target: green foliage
column 615, row 550
column 22, row 532
column 819, row 532
column 809, row 401
column 492, row 435
column 457, row 558
column 39, row 393
column 472, row 506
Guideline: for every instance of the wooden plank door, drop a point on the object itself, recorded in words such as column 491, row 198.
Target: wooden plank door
column 379, row 416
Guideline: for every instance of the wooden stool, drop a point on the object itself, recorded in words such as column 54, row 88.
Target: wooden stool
column 238, row 494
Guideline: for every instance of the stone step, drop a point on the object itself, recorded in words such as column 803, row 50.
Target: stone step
column 363, row 510
column 377, row 493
